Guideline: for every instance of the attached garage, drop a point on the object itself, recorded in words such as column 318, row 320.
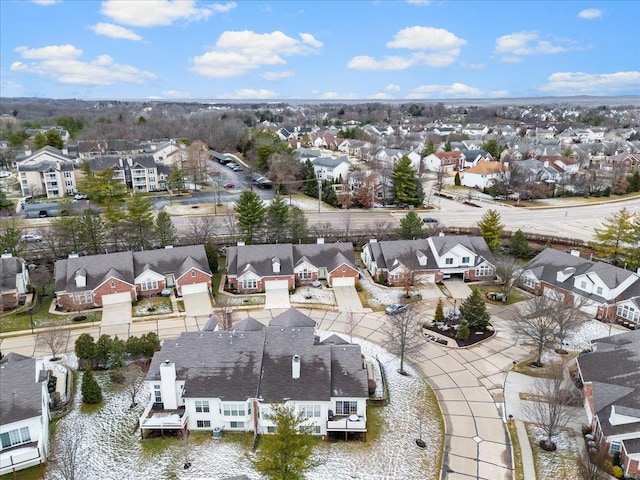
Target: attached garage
column 194, row 288
column 276, row 285
column 116, row 308
column 343, row 281
column 426, row 278
column 277, row 294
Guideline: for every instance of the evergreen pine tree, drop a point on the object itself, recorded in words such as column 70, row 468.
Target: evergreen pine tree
column 166, row 232
column 91, row 391
column 456, row 181
column 439, row 314
column 463, row 331
column 410, row 226
column 518, row 245
column 250, row 211
column 212, row 255
column 404, row 183
column 491, row 229
column 474, row 311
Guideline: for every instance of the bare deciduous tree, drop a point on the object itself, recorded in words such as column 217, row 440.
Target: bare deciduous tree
column 70, row 454
column 200, row 229
column 546, row 319
column 404, row 333
column 54, row 338
column 350, row 325
column 551, row 412
column 508, row 271
column 133, row 375
column 224, row 309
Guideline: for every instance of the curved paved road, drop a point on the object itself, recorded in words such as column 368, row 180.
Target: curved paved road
column 468, row 382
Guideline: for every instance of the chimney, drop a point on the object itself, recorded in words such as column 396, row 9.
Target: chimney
column 65, row 151
column 373, row 240
column 275, row 262
column 167, row 384
column 241, row 243
column 320, row 240
column 6, row 255
column 295, row 366
column 575, row 253
column 81, row 278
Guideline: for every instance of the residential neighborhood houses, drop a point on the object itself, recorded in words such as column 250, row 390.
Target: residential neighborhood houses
column 227, row 377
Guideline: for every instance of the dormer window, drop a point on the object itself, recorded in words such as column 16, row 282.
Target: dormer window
column 193, row 273
column 113, row 284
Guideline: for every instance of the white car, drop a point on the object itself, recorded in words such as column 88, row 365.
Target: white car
column 29, row 238
column 80, row 196
column 4, row 174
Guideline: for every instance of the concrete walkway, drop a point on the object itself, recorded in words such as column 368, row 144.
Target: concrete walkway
column 467, row 382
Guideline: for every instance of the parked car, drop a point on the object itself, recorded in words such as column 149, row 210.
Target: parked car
column 29, row 238
column 430, row 220
column 80, row 196
column 229, row 185
column 395, row 308
column 4, row 174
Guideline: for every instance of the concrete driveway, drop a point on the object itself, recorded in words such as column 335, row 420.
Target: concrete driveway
column 198, row 303
column 348, row 300
column 116, row 309
column 457, row 288
column 430, row 291
column 277, row 298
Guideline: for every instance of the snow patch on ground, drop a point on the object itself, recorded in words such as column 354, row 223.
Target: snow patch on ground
column 558, row 464
column 112, row 439
column 378, row 295
column 581, row 338
column 313, row 295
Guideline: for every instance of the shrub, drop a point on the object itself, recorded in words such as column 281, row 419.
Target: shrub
column 382, row 278
column 617, row 471
column 91, row 391
column 616, row 459
column 358, row 287
column 372, row 386
column 463, row 331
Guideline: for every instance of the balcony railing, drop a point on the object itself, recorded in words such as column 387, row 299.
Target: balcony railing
column 348, row 423
column 163, row 419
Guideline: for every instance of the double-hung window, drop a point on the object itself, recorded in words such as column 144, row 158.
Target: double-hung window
column 346, row 407
column 202, row 406
column 15, row 437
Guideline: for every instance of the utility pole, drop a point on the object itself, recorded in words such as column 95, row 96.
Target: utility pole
column 319, row 194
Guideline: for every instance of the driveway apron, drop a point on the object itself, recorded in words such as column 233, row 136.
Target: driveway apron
column 348, row 300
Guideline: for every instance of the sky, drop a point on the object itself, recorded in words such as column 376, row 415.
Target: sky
column 318, row 50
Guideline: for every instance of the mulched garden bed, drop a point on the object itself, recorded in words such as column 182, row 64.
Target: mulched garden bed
column 474, row 336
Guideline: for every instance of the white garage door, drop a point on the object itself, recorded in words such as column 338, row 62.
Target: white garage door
column 276, row 285
column 343, row 281
column 426, row 278
column 194, row 288
column 115, row 298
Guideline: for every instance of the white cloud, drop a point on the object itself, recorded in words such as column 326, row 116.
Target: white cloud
column 445, row 91
column 249, row 93
column 380, row 96
column 62, row 64
column 273, row 76
column 425, row 38
column 236, row 53
column 590, row 13
column 419, row 2
column 175, row 94
column 339, row 96
column 223, row 7
column 114, row 31
column 151, row 13
column 435, row 47
column 525, row 43
column 579, row 83
column 392, row 88
column 499, row 94
column 46, row 2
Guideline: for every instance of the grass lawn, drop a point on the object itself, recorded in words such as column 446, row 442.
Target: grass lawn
column 152, row 306
column 558, row 465
column 542, row 372
column 31, row 473
column 515, row 295
column 20, row 319
column 517, row 452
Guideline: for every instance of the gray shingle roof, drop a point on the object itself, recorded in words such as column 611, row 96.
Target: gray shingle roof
column 329, row 162
column 252, row 362
column 9, row 268
column 20, row 394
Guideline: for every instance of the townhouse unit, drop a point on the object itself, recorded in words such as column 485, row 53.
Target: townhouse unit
column 138, row 172
column 331, row 169
column 484, row 174
column 605, row 291
column 227, row 380
column 257, row 268
column 14, row 280
column 611, row 380
column 48, row 172
column 446, row 161
column 428, row 260
column 24, row 413
column 93, row 280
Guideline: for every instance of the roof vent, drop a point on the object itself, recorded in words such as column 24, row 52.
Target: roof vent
column 295, row 366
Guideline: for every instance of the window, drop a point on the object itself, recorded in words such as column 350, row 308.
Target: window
column 237, row 424
column 448, row 261
column 465, row 259
column 310, row 410
column 628, row 312
column 484, row 271
column 583, row 285
column 149, row 285
column 113, row 284
column 193, row 273
column 529, row 282
column 305, row 274
column 157, row 393
column 67, row 174
column 15, row 437
column 234, row 409
column 249, row 284
column 81, row 298
column 346, row 407
column 271, row 429
column 202, row 406
column 203, row 423
column 150, row 171
column 615, row 447
column 599, row 290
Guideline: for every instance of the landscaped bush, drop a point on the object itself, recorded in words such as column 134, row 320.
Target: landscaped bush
column 91, row 391
column 372, row 386
column 463, row 331
column 617, row 471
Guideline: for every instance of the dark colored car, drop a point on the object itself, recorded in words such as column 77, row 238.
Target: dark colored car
column 430, row 220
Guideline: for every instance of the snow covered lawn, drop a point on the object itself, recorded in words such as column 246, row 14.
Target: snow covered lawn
column 114, row 450
column 558, row 464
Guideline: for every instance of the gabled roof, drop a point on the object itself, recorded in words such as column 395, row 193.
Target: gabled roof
column 486, row 168
column 292, row 318
column 9, row 268
column 329, row 162
column 257, row 363
column 20, row 392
